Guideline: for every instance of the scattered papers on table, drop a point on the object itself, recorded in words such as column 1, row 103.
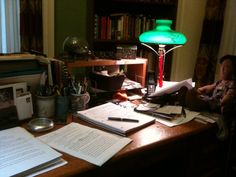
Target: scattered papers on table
column 22, row 154
column 90, row 144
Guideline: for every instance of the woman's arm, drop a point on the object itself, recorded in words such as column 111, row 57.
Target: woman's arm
column 229, row 98
column 207, row 89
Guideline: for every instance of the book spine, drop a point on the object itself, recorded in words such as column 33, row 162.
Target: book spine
column 122, row 26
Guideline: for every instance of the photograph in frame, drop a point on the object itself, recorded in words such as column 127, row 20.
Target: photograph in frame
column 7, row 96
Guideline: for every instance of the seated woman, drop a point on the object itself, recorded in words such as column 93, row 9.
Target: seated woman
column 218, row 96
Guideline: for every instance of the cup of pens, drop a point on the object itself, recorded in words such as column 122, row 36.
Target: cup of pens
column 45, row 106
column 80, row 101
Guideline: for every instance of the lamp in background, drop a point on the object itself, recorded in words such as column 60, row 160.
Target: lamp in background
column 162, row 35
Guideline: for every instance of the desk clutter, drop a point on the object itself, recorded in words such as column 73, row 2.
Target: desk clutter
column 58, row 94
column 72, row 96
column 55, row 92
column 36, row 86
column 93, row 145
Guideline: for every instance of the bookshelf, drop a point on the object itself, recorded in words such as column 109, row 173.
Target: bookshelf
column 120, row 22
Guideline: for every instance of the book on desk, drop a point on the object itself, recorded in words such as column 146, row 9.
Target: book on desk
column 115, row 118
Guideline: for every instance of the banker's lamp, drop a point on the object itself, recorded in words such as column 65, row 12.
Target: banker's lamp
column 162, row 35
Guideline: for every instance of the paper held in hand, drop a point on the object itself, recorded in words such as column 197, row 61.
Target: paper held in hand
column 171, row 87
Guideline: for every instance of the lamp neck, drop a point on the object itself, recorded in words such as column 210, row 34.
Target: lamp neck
column 161, row 47
column 161, row 50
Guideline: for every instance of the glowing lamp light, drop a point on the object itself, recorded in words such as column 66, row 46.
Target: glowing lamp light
column 162, row 35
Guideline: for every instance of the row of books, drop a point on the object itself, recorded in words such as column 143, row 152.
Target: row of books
column 121, row 26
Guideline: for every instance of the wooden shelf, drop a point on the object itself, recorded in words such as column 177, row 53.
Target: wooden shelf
column 105, row 62
column 136, row 68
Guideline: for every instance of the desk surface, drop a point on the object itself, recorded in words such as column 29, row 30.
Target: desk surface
column 150, row 145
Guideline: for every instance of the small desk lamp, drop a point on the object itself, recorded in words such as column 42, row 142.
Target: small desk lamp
column 162, row 35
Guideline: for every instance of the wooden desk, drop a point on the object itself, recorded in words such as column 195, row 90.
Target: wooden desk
column 188, row 150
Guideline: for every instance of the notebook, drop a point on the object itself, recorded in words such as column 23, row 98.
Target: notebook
column 99, row 116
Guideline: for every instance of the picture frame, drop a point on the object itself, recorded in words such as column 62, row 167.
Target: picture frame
column 7, row 96
column 20, row 88
column 9, row 93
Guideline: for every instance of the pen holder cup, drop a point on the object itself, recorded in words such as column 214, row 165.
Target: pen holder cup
column 62, row 107
column 45, row 106
column 79, row 102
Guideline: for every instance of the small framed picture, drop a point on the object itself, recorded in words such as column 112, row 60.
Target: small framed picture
column 7, row 96
column 9, row 92
column 20, row 88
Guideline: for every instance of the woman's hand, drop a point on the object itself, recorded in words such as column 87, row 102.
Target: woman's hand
column 207, row 89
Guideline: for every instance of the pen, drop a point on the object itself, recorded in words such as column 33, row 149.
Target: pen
column 122, row 119
column 183, row 112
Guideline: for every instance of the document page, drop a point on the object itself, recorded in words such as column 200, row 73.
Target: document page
column 20, row 152
column 99, row 115
column 90, row 144
column 171, row 87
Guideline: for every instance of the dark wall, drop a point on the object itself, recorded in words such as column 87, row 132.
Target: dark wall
column 70, row 20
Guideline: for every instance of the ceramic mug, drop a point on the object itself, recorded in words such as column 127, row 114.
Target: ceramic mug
column 79, row 102
column 45, row 106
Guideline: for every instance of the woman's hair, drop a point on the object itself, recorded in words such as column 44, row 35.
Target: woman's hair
column 233, row 60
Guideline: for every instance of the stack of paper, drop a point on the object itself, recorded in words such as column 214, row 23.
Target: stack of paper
column 99, row 116
column 22, row 154
column 170, row 115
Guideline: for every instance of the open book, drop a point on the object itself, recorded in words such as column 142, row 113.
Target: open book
column 22, row 154
column 171, row 87
column 100, row 115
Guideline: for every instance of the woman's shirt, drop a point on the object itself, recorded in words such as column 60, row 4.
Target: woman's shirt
column 222, row 88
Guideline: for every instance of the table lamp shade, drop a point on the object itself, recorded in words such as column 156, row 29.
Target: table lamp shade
column 163, row 34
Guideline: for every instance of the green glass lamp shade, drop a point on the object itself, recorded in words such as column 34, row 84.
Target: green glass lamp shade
column 163, row 34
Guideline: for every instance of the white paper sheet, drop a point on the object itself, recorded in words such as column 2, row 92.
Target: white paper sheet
column 98, row 115
column 92, row 145
column 170, row 87
column 57, row 164
column 20, row 151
